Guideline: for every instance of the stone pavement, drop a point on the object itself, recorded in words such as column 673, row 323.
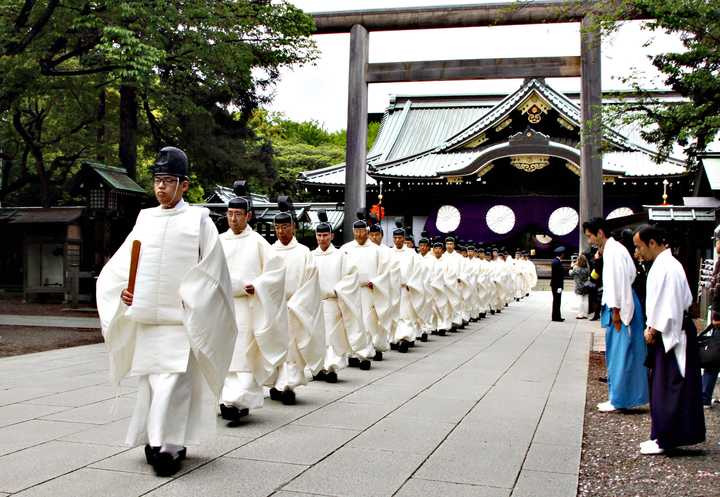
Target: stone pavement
column 50, row 321
column 494, row 410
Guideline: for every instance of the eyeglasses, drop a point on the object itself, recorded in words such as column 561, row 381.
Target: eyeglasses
column 167, row 180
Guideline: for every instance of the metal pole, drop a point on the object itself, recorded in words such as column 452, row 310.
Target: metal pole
column 591, row 185
column 356, row 148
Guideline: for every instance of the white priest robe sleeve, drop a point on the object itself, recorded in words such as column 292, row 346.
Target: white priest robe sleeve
column 618, row 275
column 668, row 297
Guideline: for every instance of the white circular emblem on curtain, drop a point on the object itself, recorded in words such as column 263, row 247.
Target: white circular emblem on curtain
column 563, row 220
column 500, row 219
column 448, row 218
column 620, row 212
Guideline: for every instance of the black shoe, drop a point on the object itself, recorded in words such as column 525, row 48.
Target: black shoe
column 331, row 377
column 275, row 394
column 403, row 346
column 378, row 356
column 434, row 332
column 559, row 320
column 321, row 376
column 288, row 398
column 232, row 413
column 442, row 333
column 483, row 315
column 353, row 362
column 166, row 464
column 412, row 344
column 498, row 311
column 150, row 453
column 424, row 337
column 393, row 346
column 506, row 305
column 492, row 312
column 365, row 365
column 527, row 294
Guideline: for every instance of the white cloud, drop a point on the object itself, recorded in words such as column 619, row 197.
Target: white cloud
column 319, row 91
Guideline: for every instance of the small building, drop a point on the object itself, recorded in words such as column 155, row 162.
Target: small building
column 60, row 250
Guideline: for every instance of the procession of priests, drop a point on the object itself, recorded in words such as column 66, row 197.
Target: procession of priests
column 216, row 324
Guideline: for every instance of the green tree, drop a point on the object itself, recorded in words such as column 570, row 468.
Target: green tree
column 694, row 73
column 151, row 73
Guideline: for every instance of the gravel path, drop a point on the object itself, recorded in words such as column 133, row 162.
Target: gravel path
column 611, row 464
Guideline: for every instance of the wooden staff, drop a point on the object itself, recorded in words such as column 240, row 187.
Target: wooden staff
column 134, row 258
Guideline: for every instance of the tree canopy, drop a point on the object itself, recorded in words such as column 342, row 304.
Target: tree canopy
column 693, row 72
column 121, row 78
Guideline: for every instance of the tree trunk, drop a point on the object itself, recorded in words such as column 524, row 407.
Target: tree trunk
column 100, row 137
column 128, row 129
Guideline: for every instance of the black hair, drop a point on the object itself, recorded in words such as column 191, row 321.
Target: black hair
column 647, row 232
column 594, row 226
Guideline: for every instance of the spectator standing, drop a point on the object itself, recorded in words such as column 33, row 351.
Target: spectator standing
column 580, row 273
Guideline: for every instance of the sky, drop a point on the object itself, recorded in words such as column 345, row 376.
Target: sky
column 319, row 91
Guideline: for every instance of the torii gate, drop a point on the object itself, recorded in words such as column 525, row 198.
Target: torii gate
column 586, row 66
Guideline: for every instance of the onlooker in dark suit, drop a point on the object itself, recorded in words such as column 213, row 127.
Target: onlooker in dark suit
column 556, row 283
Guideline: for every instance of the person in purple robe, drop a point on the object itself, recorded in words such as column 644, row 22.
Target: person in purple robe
column 676, row 408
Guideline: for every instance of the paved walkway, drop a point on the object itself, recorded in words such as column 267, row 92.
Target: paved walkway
column 49, row 321
column 495, row 410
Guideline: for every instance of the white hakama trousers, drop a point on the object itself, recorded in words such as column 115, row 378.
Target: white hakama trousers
column 291, row 373
column 338, row 346
column 242, row 391
column 242, row 388
column 172, row 410
column 405, row 326
column 379, row 334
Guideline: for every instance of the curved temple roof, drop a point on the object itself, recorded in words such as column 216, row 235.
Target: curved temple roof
column 422, row 138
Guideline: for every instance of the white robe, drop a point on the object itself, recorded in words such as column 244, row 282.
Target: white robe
column 668, row 297
column 410, row 294
column 453, row 262
column 376, row 302
column 306, row 324
column 182, row 349
column 339, row 291
column 618, row 275
column 261, row 318
column 442, row 294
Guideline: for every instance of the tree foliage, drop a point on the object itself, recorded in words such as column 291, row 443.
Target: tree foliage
column 694, row 73
column 195, row 71
column 296, row 147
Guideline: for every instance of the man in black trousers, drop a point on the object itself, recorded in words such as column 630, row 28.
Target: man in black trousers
column 556, row 283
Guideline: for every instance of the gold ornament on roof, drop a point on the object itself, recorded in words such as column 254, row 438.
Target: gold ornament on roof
column 530, row 163
column 477, row 141
column 534, row 106
column 503, row 124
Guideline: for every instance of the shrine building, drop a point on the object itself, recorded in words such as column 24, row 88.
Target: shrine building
column 501, row 170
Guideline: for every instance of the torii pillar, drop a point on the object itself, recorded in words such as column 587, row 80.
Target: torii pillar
column 591, row 175
column 357, row 122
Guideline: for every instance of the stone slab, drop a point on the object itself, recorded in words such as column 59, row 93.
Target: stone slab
column 553, row 458
column 398, row 433
column 543, row 484
column 345, row 415
column 416, row 487
column 34, row 432
column 354, row 472
column 295, row 444
column 17, row 413
column 228, row 477
column 99, row 413
column 89, row 482
column 41, row 463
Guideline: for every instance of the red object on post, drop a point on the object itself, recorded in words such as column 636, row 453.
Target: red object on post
column 379, row 211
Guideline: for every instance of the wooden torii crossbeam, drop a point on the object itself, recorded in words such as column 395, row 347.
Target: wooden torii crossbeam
column 362, row 72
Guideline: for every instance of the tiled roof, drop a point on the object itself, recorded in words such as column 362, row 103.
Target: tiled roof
column 423, row 138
